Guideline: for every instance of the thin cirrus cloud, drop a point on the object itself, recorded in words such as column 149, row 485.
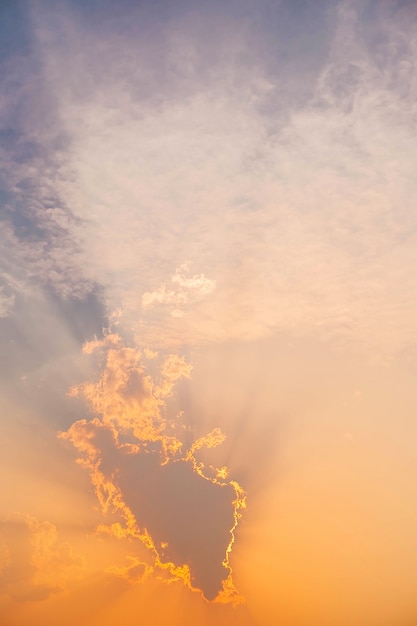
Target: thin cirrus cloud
column 208, row 165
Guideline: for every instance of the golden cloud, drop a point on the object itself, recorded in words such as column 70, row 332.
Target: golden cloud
column 183, row 512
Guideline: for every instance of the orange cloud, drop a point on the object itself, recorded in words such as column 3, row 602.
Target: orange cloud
column 184, row 513
column 34, row 565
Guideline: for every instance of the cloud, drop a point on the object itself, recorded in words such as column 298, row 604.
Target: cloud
column 126, row 397
column 186, row 289
column 181, row 148
column 184, row 512
column 38, row 244
column 34, row 564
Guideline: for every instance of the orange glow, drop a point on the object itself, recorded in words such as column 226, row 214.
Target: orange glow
column 208, row 305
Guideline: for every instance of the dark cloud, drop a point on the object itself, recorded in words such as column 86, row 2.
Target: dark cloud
column 194, row 516
column 184, row 513
column 188, row 516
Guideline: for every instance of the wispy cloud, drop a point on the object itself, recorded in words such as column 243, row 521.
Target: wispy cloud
column 199, row 168
column 294, row 213
column 34, row 563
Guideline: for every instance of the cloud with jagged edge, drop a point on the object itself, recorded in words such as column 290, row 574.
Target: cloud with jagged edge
column 184, row 512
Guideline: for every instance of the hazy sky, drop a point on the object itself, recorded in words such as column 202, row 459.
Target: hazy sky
column 208, row 312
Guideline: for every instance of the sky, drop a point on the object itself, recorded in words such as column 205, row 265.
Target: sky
column 208, row 305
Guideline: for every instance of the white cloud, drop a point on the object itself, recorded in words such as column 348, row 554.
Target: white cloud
column 305, row 226
column 186, row 290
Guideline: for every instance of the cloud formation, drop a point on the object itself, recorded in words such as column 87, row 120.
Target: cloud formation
column 221, row 180
column 34, row 565
column 292, row 202
column 185, row 289
column 184, row 512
